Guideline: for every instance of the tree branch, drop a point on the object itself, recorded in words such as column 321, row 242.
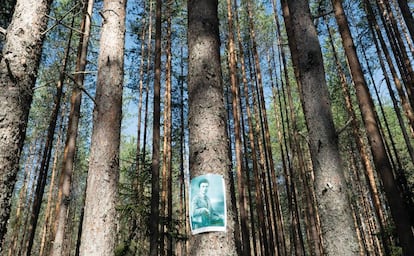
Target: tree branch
column 3, row 31
column 345, row 126
column 59, row 21
column 81, row 87
column 320, row 15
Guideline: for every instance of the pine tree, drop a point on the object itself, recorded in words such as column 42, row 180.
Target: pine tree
column 380, row 157
column 18, row 68
column 339, row 237
column 208, row 141
column 65, row 180
column 100, row 217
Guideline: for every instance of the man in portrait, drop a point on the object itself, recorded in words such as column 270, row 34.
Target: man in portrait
column 203, row 213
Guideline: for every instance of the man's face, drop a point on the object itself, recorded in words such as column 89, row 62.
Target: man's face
column 203, row 188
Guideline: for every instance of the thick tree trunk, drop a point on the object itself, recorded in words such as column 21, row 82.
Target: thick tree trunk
column 208, row 139
column 18, row 67
column 381, row 160
column 362, row 149
column 100, row 217
column 339, row 237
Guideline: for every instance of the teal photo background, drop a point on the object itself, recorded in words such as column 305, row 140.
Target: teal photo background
column 216, row 193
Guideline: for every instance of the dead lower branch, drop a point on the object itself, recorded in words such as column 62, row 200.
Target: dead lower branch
column 3, row 31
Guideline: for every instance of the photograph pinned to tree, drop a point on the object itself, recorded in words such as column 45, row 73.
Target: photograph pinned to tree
column 207, row 204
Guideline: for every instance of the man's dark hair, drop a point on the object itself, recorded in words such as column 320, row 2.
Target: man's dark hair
column 202, row 181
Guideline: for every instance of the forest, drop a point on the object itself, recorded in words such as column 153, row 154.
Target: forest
column 206, row 127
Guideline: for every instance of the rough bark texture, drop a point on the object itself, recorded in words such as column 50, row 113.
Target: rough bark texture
column 18, row 68
column 408, row 17
column 208, row 139
column 339, row 237
column 100, row 223
column 379, row 154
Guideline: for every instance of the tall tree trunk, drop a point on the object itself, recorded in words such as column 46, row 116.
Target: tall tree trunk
column 181, row 250
column 408, row 17
column 47, row 153
column 147, row 84
column 237, row 234
column 401, row 22
column 362, row 149
column 65, row 180
column 398, row 47
column 140, row 98
column 294, row 143
column 166, row 162
column 264, row 247
column 241, row 185
column 262, row 161
column 155, row 166
column 21, row 202
column 381, row 160
column 18, row 68
column 208, row 139
column 339, row 237
column 293, row 180
column 100, row 219
column 27, row 212
column 374, row 27
column 48, row 223
column 263, row 242
column 138, row 187
column 275, row 204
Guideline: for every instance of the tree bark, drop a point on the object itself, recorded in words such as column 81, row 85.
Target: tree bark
column 208, row 139
column 408, row 17
column 100, row 216
column 48, row 223
column 47, row 153
column 258, row 195
column 65, row 179
column 155, row 165
column 240, row 168
column 18, row 67
column 339, row 237
column 362, row 148
column 381, row 160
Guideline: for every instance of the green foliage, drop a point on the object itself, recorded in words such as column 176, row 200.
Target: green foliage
column 125, row 248
column 134, row 200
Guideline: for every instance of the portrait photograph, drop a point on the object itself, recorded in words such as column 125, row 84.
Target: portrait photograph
column 207, row 204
